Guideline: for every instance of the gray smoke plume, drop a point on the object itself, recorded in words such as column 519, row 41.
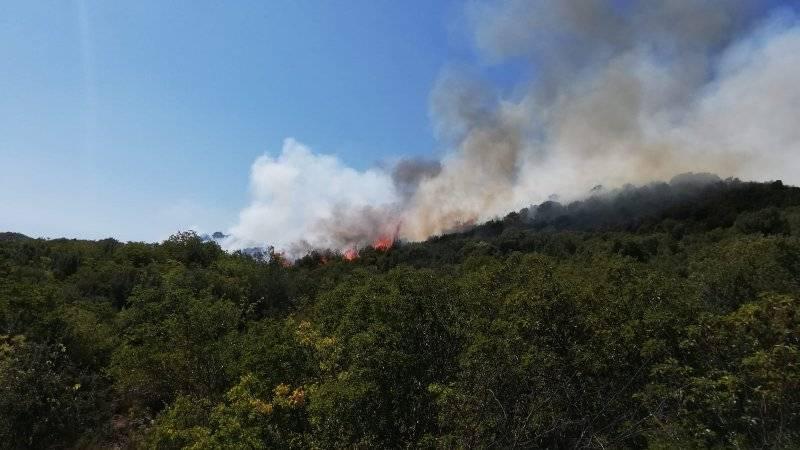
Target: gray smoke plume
column 350, row 227
column 617, row 92
column 409, row 173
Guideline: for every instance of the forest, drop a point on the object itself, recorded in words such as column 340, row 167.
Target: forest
column 659, row 316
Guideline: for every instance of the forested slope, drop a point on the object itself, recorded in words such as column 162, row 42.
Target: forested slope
column 661, row 316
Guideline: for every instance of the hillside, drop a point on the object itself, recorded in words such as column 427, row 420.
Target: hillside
column 659, row 316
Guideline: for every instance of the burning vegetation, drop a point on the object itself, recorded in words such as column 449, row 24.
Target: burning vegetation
column 381, row 244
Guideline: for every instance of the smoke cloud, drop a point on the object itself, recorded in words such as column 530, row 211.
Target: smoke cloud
column 617, row 92
column 296, row 192
column 409, row 173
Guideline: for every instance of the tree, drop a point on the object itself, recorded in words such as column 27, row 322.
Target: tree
column 45, row 399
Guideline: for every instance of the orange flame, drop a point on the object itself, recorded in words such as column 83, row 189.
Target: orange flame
column 350, row 254
column 383, row 243
column 386, row 240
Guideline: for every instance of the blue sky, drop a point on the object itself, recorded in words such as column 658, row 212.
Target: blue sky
column 135, row 119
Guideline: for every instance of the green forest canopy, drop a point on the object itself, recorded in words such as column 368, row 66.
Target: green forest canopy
column 660, row 316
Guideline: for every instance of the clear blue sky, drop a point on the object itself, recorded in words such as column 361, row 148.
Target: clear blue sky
column 134, row 119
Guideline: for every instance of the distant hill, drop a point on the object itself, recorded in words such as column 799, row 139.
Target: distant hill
column 10, row 236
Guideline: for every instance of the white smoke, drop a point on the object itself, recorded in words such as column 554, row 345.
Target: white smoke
column 751, row 112
column 619, row 93
column 295, row 191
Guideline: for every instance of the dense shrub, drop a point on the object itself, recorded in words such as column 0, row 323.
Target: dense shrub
column 664, row 317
